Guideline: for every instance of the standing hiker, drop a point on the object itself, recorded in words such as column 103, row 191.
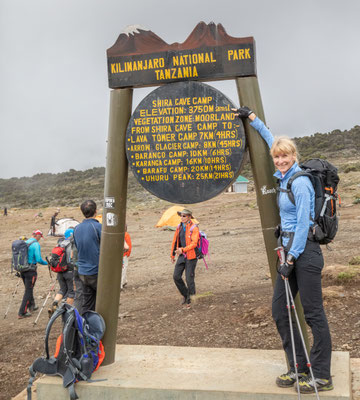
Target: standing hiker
column 29, row 277
column 87, row 241
column 185, row 240
column 304, row 262
column 53, row 223
column 127, row 252
column 5, row 211
column 65, row 276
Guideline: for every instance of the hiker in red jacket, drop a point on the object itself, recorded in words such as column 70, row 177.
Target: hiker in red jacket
column 185, row 240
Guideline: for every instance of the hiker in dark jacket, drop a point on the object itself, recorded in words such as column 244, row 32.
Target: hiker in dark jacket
column 29, row 277
column 53, row 223
column 303, row 265
column 87, row 241
column 185, row 240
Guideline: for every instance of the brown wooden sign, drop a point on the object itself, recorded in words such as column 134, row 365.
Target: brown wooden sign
column 141, row 58
column 184, row 144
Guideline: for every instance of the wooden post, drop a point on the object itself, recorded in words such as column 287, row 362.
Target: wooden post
column 114, row 214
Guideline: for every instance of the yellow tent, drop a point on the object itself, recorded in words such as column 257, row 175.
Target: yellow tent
column 171, row 218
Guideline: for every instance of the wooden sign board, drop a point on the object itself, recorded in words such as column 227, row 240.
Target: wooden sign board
column 141, row 58
column 184, row 144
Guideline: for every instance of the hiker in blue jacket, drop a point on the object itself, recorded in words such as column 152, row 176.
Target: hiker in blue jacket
column 29, row 277
column 87, row 241
column 303, row 266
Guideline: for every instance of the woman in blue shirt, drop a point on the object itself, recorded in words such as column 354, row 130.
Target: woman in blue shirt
column 304, row 262
column 29, row 277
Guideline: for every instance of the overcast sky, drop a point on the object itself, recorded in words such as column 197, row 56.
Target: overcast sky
column 54, row 95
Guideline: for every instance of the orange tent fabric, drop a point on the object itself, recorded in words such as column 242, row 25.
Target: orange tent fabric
column 171, row 218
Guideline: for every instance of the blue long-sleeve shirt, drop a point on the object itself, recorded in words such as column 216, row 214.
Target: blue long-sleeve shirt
column 87, row 241
column 294, row 218
column 34, row 252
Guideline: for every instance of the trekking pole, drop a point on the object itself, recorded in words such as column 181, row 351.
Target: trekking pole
column 287, row 289
column 52, row 288
column 287, row 285
column 12, row 298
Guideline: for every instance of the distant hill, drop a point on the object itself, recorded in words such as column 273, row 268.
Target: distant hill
column 72, row 187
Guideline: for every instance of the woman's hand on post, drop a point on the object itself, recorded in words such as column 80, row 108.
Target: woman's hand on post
column 244, row 112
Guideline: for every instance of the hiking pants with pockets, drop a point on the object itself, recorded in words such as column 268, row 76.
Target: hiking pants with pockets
column 28, row 302
column 66, row 282
column 89, row 292
column 305, row 279
column 182, row 264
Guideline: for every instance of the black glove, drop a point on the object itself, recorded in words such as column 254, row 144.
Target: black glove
column 286, row 269
column 244, row 112
column 17, row 274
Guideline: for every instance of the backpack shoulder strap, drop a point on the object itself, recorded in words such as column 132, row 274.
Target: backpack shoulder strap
column 291, row 180
column 30, row 243
column 56, row 314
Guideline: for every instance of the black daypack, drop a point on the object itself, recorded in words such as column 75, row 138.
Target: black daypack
column 19, row 261
column 324, row 178
column 79, row 350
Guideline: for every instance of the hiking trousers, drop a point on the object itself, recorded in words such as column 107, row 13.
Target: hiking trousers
column 66, row 282
column 89, row 292
column 182, row 264
column 79, row 290
column 305, row 279
column 28, row 302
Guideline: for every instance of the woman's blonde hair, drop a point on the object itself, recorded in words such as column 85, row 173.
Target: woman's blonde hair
column 284, row 145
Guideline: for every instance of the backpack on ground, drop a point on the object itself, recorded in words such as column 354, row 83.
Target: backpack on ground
column 79, row 350
column 324, row 177
column 58, row 260
column 19, row 260
column 202, row 249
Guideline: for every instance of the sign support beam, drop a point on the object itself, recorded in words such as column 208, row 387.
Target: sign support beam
column 114, row 214
column 265, row 183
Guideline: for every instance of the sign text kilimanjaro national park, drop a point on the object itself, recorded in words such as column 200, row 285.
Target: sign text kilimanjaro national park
column 140, row 58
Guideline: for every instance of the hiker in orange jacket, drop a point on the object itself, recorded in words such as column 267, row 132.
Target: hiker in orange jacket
column 185, row 241
column 127, row 252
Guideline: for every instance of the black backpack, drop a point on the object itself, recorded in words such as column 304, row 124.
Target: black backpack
column 79, row 350
column 324, row 177
column 19, row 261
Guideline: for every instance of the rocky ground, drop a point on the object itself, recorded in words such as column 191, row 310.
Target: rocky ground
column 234, row 294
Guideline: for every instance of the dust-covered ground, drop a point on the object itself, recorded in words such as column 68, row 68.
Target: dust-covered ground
column 233, row 308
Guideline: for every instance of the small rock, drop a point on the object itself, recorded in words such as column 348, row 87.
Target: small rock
column 164, row 316
column 346, row 346
column 235, row 302
column 253, row 326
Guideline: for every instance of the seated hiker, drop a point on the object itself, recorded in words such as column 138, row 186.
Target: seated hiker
column 29, row 277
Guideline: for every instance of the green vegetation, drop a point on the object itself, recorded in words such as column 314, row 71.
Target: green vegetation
column 355, row 260
column 346, row 276
column 72, row 187
column 63, row 189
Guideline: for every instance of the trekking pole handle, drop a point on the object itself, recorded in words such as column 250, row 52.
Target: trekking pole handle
column 281, row 254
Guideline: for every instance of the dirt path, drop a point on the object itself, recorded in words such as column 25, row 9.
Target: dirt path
column 233, row 308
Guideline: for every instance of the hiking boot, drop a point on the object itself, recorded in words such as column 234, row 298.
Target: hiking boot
column 288, row 379
column 307, row 385
column 34, row 308
column 184, row 301
column 25, row 315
